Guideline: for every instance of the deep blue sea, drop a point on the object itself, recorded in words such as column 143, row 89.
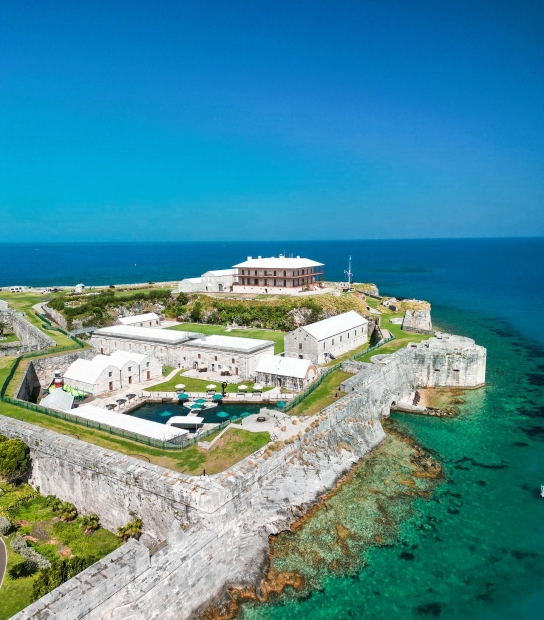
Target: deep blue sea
column 474, row 549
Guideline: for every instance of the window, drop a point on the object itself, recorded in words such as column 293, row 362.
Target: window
column 147, row 364
column 348, row 335
column 323, row 345
column 232, row 360
column 285, row 283
column 340, row 338
column 274, row 281
column 333, row 341
column 215, row 358
column 199, row 356
column 242, row 272
column 129, row 368
column 284, row 274
column 110, row 374
column 265, row 282
column 255, row 272
column 256, row 281
column 300, row 346
column 274, row 273
column 356, row 332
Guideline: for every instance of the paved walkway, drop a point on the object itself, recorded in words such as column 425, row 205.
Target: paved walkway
column 3, row 560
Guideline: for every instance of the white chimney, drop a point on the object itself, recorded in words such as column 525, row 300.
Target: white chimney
column 249, row 258
column 259, row 256
column 298, row 256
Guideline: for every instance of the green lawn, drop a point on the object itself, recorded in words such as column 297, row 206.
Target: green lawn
column 51, row 537
column 234, row 446
column 323, row 396
column 197, row 385
column 261, row 334
column 9, row 338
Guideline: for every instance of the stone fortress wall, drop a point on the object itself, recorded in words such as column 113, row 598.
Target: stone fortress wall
column 39, row 372
column 30, row 337
column 418, row 321
column 213, row 531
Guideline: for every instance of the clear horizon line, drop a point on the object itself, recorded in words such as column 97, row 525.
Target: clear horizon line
column 77, row 242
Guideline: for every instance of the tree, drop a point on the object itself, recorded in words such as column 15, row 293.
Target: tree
column 89, row 524
column 14, row 459
column 22, row 569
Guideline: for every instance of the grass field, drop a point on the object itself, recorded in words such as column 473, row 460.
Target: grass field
column 261, row 334
column 50, row 537
column 233, row 446
column 197, row 385
column 8, row 338
column 323, row 396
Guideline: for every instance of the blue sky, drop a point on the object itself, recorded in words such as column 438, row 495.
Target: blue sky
column 271, row 120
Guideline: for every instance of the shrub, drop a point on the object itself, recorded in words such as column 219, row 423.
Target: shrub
column 14, row 459
column 20, row 546
column 89, row 523
column 22, row 569
column 58, row 573
column 5, row 526
column 133, row 529
column 18, row 543
column 53, row 502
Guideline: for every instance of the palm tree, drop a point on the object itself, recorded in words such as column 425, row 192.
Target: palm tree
column 90, row 523
column 133, row 529
column 68, row 512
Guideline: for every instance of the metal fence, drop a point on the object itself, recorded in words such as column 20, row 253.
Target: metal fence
column 293, row 403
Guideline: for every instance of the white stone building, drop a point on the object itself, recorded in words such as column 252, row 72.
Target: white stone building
column 191, row 285
column 165, row 345
column 239, row 356
column 106, row 373
column 281, row 275
column 150, row 319
column 287, row 372
column 215, row 281
column 328, row 339
column 185, row 349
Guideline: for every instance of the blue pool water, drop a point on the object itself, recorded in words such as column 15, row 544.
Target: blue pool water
column 161, row 412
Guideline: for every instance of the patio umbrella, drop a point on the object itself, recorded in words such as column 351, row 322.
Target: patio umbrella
column 242, row 387
column 245, row 414
column 200, row 401
column 281, row 403
column 131, row 396
column 195, row 407
column 217, row 397
column 183, row 396
column 222, row 414
column 165, row 414
column 111, row 406
column 180, row 386
column 121, row 401
column 211, row 386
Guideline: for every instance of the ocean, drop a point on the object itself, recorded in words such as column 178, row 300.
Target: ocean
column 472, row 546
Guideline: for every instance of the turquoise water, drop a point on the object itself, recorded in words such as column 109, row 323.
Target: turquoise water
column 476, row 548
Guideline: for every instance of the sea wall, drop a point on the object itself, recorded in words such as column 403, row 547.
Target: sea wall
column 214, row 530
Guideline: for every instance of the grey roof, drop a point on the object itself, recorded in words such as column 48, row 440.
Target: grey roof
column 148, row 334
column 335, row 325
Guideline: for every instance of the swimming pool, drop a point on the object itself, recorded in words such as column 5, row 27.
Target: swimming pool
column 161, row 412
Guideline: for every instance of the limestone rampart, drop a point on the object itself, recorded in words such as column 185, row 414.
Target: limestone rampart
column 417, row 321
column 216, row 528
column 30, row 337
